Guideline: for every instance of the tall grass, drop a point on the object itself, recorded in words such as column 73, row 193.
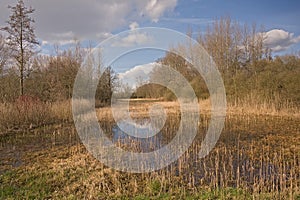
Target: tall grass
column 247, row 163
column 256, row 157
column 29, row 114
column 256, row 104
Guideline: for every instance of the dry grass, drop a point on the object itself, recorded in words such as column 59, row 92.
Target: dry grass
column 62, row 111
column 254, row 104
column 19, row 116
column 140, row 108
column 256, row 157
column 248, row 162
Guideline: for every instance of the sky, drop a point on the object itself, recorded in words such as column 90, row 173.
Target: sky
column 93, row 21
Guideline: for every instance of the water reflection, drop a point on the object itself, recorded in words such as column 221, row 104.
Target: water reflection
column 144, row 144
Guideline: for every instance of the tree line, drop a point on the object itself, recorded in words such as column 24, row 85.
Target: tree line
column 47, row 77
column 247, row 66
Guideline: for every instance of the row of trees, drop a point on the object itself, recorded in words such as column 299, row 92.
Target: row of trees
column 246, row 65
column 51, row 78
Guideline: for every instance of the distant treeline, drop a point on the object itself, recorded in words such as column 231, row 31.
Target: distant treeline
column 51, row 78
column 247, row 67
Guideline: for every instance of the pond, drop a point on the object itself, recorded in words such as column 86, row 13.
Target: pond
column 122, row 134
column 263, row 148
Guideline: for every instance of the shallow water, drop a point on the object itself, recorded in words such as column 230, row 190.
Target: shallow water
column 145, row 144
column 259, row 147
column 14, row 146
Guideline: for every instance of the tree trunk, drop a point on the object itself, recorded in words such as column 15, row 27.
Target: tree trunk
column 21, row 81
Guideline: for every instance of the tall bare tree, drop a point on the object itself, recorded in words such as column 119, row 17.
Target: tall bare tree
column 21, row 38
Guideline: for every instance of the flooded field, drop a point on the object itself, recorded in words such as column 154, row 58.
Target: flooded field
column 257, row 156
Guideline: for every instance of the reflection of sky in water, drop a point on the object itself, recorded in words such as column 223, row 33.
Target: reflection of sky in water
column 146, row 144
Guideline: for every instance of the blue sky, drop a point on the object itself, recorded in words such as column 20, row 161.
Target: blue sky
column 93, row 21
column 271, row 14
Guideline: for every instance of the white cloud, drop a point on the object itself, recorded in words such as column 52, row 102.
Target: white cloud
column 61, row 39
column 133, row 25
column 88, row 19
column 135, row 37
column 280, row 40
column 136, row 74
column 155, row 8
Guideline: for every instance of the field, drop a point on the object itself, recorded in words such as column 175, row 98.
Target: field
column 256, row 157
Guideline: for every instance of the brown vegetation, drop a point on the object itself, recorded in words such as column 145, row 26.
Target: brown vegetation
column 256, row 157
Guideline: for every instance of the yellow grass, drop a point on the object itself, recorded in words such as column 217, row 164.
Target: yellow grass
column 256, row 157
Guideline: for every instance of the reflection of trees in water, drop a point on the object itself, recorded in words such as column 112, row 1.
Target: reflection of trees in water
column 144, row 144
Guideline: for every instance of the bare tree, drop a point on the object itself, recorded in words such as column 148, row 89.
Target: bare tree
column 21, row 38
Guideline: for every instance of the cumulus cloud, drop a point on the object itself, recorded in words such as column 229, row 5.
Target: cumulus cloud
column 133, row 25
column 135, row 37
column 280, row 40
column 88, row 20
column 155, row 8
column 138, row 73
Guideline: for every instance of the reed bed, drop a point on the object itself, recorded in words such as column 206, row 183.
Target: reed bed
column 256, row 157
